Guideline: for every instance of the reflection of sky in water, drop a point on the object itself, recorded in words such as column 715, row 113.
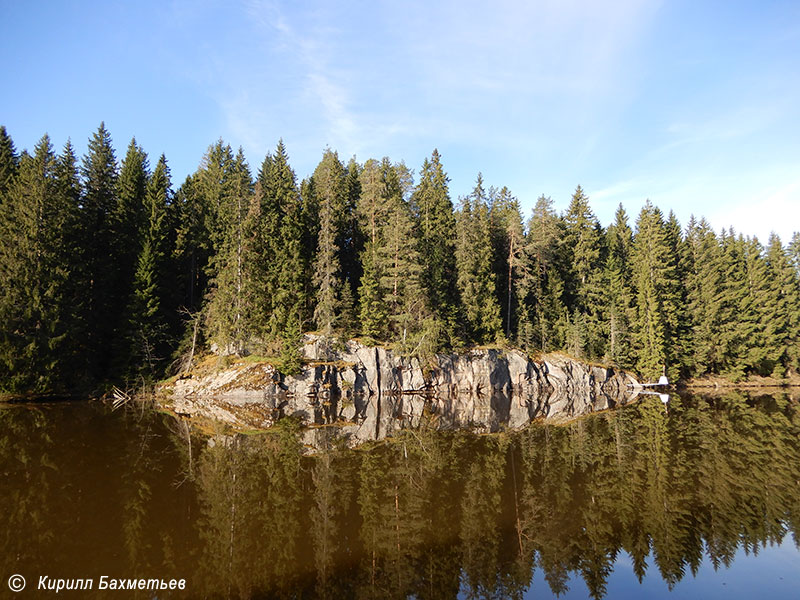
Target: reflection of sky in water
column 773, row 574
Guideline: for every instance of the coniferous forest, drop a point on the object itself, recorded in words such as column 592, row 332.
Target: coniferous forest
column 111, row 273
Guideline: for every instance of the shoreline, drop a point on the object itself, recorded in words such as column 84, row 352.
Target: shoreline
column 753, row 382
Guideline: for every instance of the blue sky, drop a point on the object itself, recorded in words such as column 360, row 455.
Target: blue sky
column 695, row 105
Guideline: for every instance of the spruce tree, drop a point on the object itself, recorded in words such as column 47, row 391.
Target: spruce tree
column 583, row 243
column 392, row 303
column 9, row 162
column 211, row 242
column 128, row 224
column 129, row 216
column 436, row 225
column 781, row 316
column 373, row 210
column 148, row 320
column 351, row 238
column 619, row 298
column 794, row 252
column 542, row 310
column 266, row 216
column 330, row 187
column 400, row 266
column 279, row 269
column 309, row 218
column 72, row 248
column 704, row 284
column 36, row 300
column 653, row 274
column 296, row 259
column 209, row 192
column 372, row 308
column 230, row 310
column 199, row 211
column 213, row 183
column 192, row 245
column 741, row 341
column 99, row 202
column 476, row 280
column 582, row 240
column 674, row 307
column 21, row 299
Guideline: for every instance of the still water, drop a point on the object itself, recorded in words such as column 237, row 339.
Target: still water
column 699, row 501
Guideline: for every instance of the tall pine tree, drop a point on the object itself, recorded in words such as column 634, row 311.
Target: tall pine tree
column 399, row 266
column 507, row 233
column 73, row 249
column 740, row 338
column 192, row 243
column 351, row 241
column 128, row 224
column 130, row 215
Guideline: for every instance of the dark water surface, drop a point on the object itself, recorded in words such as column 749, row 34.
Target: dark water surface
column 702, row 501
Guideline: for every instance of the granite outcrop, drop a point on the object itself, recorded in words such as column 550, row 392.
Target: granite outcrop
column 371, row 392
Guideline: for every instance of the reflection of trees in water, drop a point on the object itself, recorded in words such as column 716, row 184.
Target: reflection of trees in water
column 431, row 513
column 251, row 494
column 85, row 494
column 428, row 514
column 28, row 486
column 663, row 484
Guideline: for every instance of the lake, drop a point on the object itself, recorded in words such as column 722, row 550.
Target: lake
column 697, row 499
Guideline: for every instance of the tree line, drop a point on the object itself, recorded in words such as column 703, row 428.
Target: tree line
column 110, row 274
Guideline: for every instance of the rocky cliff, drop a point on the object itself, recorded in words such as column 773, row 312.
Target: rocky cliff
column 370, row 392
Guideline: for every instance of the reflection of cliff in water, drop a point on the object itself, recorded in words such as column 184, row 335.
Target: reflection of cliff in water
column 372, row 393
column 431, row 512
column 427, row 514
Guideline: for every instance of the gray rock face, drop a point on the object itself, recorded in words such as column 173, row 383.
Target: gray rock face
column 370, row 393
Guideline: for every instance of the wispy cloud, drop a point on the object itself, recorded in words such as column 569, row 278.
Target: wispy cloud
column 732, row 124
column 451, row 74
column 619, row 191
column 539, row 96
column 307, row 47
column 335, row 104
